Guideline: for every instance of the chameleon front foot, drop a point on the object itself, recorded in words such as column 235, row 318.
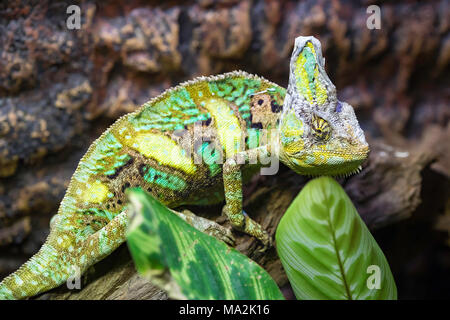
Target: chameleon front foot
column 266, row 241
column 263, row 236
column 242, row 222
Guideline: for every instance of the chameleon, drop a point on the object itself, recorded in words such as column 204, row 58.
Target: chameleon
column 240, row 118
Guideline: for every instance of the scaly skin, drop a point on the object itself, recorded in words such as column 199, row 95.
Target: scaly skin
column 318, row 136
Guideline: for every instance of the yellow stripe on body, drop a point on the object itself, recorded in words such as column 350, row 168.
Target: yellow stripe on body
column 227, row 125
column 94, row 192
column 164, row 150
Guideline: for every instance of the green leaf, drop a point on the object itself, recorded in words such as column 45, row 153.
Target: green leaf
column 327, row 250
column 187, row 263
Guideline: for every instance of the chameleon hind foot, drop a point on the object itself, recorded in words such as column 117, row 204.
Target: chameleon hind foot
column 207, row 226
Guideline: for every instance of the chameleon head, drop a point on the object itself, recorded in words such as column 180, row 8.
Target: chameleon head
column 319, row 135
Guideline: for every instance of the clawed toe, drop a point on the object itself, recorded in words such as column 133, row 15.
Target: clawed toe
column 221, row 233
column 266, row 243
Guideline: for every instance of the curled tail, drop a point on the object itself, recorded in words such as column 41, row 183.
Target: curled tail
column 47, row 269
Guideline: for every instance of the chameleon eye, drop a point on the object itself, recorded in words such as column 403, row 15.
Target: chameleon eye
column 321, row 130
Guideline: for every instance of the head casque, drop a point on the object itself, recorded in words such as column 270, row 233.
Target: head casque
column 319, row 135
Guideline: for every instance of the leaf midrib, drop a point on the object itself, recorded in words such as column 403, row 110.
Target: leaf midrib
column 341, row 267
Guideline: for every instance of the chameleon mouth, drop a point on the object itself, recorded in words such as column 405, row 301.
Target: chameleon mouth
column 350, row 153
column 329, row 163
column 350, row 166
column 342, row 171
column 350, row 173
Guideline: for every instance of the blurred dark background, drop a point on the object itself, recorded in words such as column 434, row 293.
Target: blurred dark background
column 60, row 88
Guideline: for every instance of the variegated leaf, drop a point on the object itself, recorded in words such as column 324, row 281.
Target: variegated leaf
column 187, row 263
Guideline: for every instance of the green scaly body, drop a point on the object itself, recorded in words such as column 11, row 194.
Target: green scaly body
column 186, row 147
column 140, row 149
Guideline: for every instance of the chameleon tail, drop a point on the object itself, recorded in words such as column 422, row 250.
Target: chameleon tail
column 46, row 270
column 61, row 257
